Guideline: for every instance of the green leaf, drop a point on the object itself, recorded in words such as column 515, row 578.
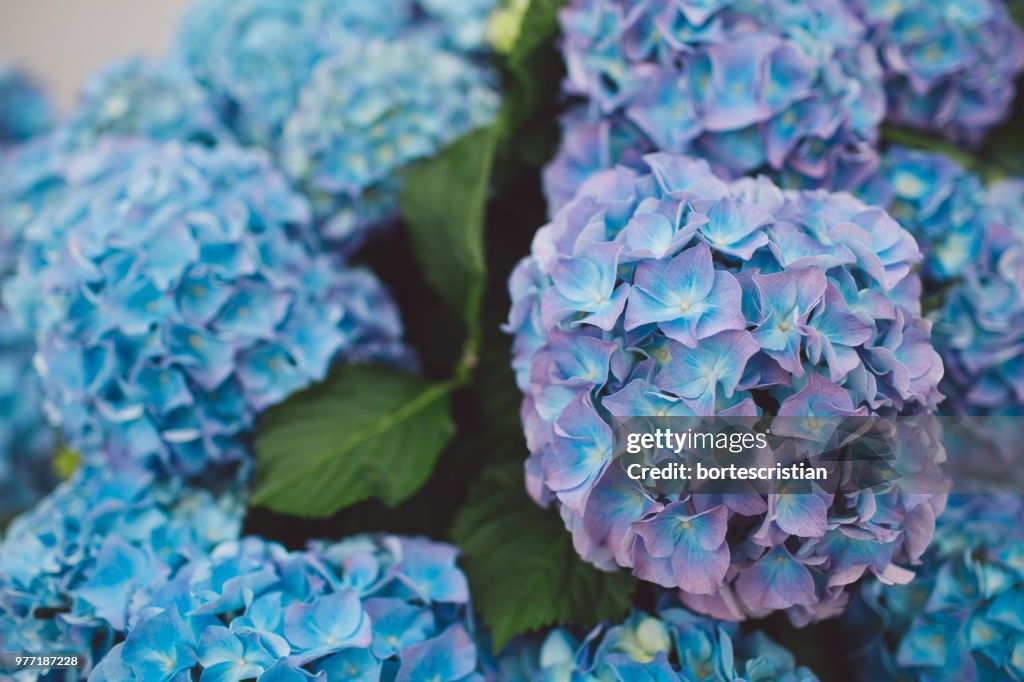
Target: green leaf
column 1017, row 12
column 539, row 26
column 534, row 68
column 443, row 202
column 930, row 143
column 523, row 571
column 367, row 431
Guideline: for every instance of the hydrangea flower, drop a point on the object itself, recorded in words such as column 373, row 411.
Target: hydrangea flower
column 672, row 293
column 25, row 109
column 973, row 243
column 949, row 67
column 370, row 109
column 464, row 23
column 26, row 439
column 367, row 608
column 673, row 645
column 135, row 98
column 142, row 97
column 176, row 295
column 344, row 92
column 961, row 619
column 70, row 567
column 256, row 56
column 780, row 86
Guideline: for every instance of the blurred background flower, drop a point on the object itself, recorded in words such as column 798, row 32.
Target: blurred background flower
column 25, row 108
column 70, row 567
column 950, row 68
column 962, row 618
column 672, row 645
column 972, row 238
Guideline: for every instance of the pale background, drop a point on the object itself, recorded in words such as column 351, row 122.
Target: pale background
column 62, row 42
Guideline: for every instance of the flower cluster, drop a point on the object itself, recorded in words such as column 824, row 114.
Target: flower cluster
column 136, row 98
column 367, row 608
column 674, row 645
column 25, row 110
column 70, row 567
column 973, row 241
column 949, row 67
column 791, row 88
column 141, row 97
column 256, row 56
column 344, row 93
column 980, row 327
column 175, row 297
column 464, row 24
column 26, row 440
column 963, row 617
column 673, row 293
column 366, row 112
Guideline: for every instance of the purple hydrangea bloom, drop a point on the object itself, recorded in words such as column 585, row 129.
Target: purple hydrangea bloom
column 141, row 97
column 673, row 645
column 176, row 295
column 71, row 566
column 963, row 617
column 673, row 293
column 972, row 238
column 949, row 67
column 779, row 86
column 367, row 111
column 25, row 109
column 366, row 608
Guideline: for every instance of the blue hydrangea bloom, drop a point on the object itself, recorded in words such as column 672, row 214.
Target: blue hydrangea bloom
column 961, row 619
column 142, row 97
column 256, row 56
column 370, row 109
column 949, row 67
column 972, row 238
column 367, row 608
column 464, row 23
column 135, row 98
column 25, row 109
column 176, row 295
column 71, row 566
column 779, row 86
column 673, row 293
column 26, row 440
column 674, row 645
column 345, row 92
